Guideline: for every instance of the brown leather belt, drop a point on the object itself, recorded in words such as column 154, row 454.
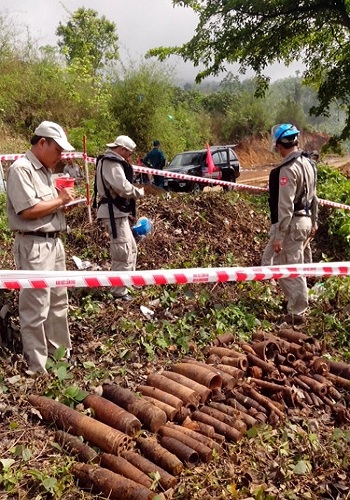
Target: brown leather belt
column 42, row 234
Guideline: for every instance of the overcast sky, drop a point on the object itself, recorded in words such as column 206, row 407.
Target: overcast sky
column 141, row 25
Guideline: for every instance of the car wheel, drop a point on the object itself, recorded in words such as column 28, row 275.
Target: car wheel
column 231, row 179
column 196, row 188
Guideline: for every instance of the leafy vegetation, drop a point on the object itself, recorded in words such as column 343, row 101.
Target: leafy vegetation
column 90, row 92
column 260, row 33
column 114, row 342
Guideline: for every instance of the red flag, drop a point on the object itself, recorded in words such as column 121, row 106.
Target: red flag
column 209, row 161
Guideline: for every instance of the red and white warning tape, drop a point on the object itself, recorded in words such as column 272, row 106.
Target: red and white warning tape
column 174, row 175
column 13, row 157
column 52, row 279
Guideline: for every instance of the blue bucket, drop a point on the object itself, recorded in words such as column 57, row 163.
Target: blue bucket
column 142, row 227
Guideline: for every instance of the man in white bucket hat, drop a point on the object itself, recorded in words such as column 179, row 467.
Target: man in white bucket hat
column 117, row 196
column 36, row 213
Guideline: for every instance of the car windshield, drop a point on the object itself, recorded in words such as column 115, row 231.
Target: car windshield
column 186, row 159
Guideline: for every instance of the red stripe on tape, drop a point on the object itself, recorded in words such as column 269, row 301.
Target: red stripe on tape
column 93, row 282
column 222, row 276
column 115, row 281
column 180, row 278
column 12, row 285
column 159, row 279
column 138, row 281
column 260, row 276
column 38, row 283
column 242, row 276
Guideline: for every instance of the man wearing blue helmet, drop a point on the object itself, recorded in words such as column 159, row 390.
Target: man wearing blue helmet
column 293, row 207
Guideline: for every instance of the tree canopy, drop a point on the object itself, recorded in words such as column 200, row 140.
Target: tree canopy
column 257, row 33
column 88, row 38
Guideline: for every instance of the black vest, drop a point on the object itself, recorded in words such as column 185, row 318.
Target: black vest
column 274, row 186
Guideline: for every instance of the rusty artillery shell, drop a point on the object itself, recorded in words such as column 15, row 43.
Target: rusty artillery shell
column 202, row 390
column 232, row 370
column 121, row 466
column 338, row 381
column 224, row 351
column 230, row 420
column 332, row 391
column 271, row 406
column 170, row 411
column 206, row 430
column 339, row 368
column 199, row 373
column 187, row 395
column 181, row 450
column 112, row 485
column 151, row 416
column 197, row 436
column 74, row 445
column 240, row 362
column 142, row 463
column 298, row 337
column 248, row 402
column 227, row 380
column 224, row 339
column 165, row 397
column 270, row 386
column 111, row 414
column 230, row 433
column 205, row 453
column 314, row 385
column 267, row 366
column 266, row 350
column 160, row 455
column 97, row 433
column 234, row 412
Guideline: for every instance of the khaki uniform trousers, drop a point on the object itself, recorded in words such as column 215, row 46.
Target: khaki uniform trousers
column 295, row 289
column 42, row 312
column 269, row 253
column 123, row 250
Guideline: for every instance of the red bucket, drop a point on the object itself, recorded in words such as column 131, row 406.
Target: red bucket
column 64, row 182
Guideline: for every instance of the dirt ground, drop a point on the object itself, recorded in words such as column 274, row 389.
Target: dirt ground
column 110, row 343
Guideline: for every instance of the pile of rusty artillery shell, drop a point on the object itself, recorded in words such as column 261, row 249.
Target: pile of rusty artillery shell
column 187, row 413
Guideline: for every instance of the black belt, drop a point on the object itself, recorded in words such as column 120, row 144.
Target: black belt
column 42, row 234
column 301, row 215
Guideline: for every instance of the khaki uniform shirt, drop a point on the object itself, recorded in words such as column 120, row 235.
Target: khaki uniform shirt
column 28, row 183
column 292, row 180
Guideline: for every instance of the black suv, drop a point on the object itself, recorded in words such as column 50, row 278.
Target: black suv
column 227, row 168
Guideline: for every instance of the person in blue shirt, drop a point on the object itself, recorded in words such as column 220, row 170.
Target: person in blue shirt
column 156, row 159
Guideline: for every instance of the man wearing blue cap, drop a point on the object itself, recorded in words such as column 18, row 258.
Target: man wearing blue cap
column 156, row 159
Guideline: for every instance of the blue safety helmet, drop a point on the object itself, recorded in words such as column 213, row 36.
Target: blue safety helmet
column 285, row 133
column 142, row 227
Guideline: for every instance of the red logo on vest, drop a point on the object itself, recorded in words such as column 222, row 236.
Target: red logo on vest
column 283, row 181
